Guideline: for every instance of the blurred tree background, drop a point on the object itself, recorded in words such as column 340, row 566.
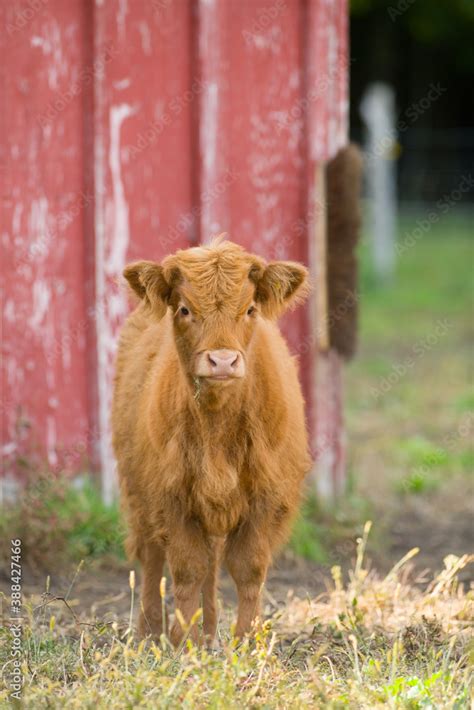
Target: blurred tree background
column 415, row 45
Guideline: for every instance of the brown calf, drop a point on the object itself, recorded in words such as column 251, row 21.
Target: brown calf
column 208, row 425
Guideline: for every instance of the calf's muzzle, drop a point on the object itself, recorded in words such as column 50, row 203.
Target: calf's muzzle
column 220, row 364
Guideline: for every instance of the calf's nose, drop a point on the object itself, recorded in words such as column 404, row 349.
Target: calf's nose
column 223, row 362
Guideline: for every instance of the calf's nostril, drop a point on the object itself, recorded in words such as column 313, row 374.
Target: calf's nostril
column 235, row 361
column 213, row 362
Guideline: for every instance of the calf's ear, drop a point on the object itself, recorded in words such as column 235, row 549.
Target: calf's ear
column 280, row 285
column 146, row 278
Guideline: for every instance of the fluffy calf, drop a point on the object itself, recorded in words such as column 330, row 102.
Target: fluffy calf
column 208, row 426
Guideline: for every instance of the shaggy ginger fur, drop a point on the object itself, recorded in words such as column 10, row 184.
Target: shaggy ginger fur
column 208, row 469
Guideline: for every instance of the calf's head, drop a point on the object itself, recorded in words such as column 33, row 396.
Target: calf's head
column 216, row 295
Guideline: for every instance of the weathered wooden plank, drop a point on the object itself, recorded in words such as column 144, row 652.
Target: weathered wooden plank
column 327, row 106
column 143, row 162
column 44, row 318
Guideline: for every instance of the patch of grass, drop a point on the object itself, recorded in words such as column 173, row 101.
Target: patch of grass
column 433, row 279
column 307, row 538
column 59, row 519
column 409, row 391
column 428, row 465
column 322, row 533
column 465, row 402
column 419, row 451
column 466, row 461
column 370, row 643
column 417, row 482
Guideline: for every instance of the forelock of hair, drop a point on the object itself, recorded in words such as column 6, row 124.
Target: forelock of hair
column 215, row 273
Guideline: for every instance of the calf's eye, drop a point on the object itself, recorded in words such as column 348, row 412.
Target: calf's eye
column 250, row 310
column 184, row 311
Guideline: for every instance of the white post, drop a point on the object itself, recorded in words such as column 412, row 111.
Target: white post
column 377, row 109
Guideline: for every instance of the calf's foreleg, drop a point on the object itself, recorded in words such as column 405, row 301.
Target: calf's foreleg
column 152, row 557
column 209, row 593
column 247, row 556
column 188, row 558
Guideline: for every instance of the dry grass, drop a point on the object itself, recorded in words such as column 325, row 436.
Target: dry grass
column 368, row 643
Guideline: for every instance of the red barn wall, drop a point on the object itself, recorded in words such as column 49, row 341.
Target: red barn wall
column 136, row 127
